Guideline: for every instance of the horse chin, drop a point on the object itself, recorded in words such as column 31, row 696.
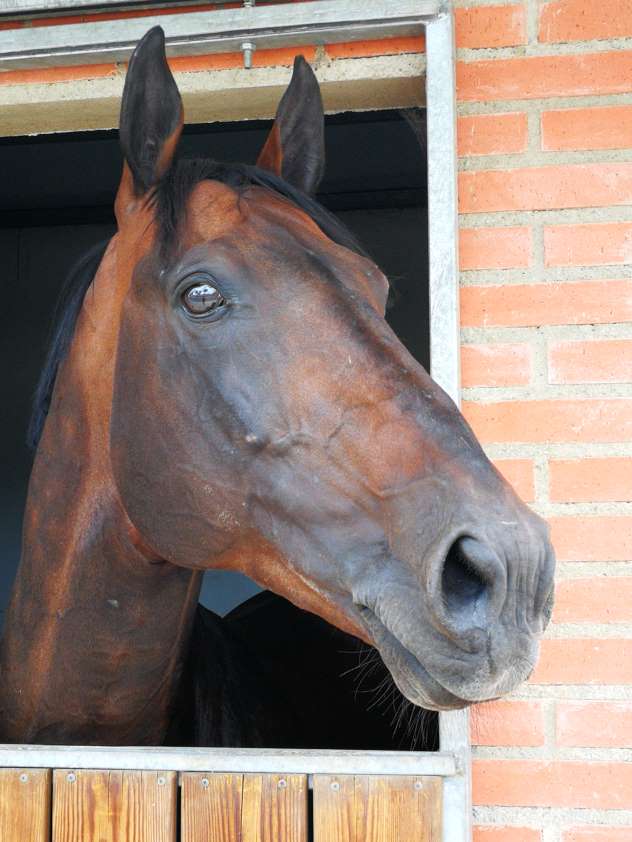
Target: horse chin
column 408, row 673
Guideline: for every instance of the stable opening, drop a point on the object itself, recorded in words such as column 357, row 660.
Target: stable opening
column 57, row 202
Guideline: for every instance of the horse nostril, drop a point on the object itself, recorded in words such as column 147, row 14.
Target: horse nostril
column 466, row 584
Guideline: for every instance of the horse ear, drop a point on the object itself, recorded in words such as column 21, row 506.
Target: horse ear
column 151, row 113
column 295, row 148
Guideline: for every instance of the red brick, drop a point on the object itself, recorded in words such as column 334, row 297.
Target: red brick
column 583, row 420
column 532, row 783
column 519, row 474
column 283, row 56
column 594, row 724
column 598, row 244
column 587, row 128
column 496, row 365
column 546, row 188
column 379, row 47
column 592, row 538
column 565, row 661
column 590, row 480
column 578, row 20
column 602, row 599
column 598, row 833
column 525, row 305
column 535, row 77
column 592, row 361
column 507, row 723
column 492, row 134
column 49, row 75
column 506, row 834
column 490, row 26
column 495, row 248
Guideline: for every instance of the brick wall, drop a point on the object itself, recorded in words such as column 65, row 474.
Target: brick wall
column 545, row 146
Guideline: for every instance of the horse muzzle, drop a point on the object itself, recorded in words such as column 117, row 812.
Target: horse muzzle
column 466, row 631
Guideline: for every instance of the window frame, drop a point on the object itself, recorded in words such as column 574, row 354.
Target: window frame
column 337, row 20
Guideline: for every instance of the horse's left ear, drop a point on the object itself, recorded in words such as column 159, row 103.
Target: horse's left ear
column 295, row 148
column 151, row 113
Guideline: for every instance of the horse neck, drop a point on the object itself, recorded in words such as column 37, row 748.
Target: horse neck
column 97, row 629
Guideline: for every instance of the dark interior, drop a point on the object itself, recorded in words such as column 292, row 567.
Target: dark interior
column 56, row 201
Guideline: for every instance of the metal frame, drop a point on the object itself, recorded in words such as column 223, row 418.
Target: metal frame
column 219, row 31
column 454, row 726
column 319, row 21
column 55, row 7
column 281, row 761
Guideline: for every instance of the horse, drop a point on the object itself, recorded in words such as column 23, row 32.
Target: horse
column 226, row 393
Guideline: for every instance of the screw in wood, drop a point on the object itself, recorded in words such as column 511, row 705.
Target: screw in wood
column 161, row 781
column 282, row 783
column 71, row 778
column 205, row 783
column 418, row 785
column 335, row 786
column 24, row 778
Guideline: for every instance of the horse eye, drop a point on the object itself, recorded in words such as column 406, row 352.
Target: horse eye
column 202, row 299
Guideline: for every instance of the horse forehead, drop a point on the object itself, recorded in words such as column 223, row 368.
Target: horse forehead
column 213, row 210
column 277, row 211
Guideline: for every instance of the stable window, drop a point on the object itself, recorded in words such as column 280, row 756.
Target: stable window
column 385, row 207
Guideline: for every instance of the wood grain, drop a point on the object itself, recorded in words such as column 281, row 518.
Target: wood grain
column 211, row 807
column 377, row 809
column 25, row 796
column 244, row 808
column 111, row 806
column 274, row 808
column 334, row 808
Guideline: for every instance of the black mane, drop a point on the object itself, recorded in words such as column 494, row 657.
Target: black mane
column 170, row 201
column 66, row 312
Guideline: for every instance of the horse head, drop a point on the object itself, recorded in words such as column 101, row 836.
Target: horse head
column 265, row 418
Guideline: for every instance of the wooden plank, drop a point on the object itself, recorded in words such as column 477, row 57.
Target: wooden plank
column 243, row 808
column 25, row 805
column 377, row 809
column 334, row 808
column 274, row 808
column 108, row 806
column 211, row 807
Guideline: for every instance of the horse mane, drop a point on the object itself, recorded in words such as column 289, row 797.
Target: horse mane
column 65, row 316
column 170, row 200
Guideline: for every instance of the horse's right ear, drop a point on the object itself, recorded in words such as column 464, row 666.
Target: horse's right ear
column 151, row 115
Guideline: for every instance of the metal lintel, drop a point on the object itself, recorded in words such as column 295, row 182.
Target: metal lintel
column 54, row 7
column 219, row 31
column 286, row 761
